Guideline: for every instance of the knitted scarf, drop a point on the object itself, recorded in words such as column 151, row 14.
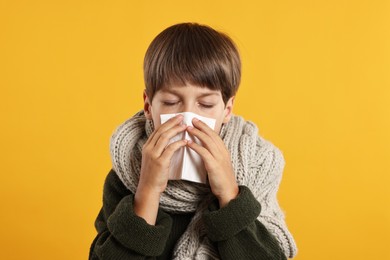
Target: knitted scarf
column 257, row 164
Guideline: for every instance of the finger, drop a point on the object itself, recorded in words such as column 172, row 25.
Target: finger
column 162, row 128
column 208, row 142
column 209, row 131
column 203, row 152
column 203, row 126
column 172, row 148
column 165, row 137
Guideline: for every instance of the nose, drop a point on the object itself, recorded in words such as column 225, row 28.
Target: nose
column 188, row 107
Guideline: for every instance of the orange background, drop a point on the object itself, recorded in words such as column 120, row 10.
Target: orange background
column 315, row 80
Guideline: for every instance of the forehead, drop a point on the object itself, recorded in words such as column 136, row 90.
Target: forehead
column 189, row 90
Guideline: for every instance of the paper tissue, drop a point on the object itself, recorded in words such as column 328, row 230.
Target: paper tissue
column 186, row 164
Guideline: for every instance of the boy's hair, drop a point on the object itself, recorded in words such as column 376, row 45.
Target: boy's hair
column 194, row 54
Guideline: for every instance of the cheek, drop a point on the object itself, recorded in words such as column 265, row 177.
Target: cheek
column 156, row 121
column 156, row 118
column 218, row 125
column 219, row 117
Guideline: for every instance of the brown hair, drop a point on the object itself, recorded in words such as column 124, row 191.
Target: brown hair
column 194, row 54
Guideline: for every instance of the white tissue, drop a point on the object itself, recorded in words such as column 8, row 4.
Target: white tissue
column 186, row 164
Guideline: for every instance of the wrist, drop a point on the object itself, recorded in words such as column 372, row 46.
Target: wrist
column 146, row 203
column 225, row 198
column 147, row 192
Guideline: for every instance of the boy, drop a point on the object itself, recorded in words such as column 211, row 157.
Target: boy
column 191, row 68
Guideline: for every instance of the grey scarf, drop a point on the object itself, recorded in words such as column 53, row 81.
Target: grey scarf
column 257, row 164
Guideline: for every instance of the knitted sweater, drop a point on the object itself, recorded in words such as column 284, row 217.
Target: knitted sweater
column 234, row 229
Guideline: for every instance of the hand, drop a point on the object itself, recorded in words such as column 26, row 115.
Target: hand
column 156, row 157
column 217, row 161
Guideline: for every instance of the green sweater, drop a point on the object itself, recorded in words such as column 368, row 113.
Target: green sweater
column 234, row 229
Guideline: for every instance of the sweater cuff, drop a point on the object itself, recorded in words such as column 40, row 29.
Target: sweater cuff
column 239, row 213
column 135, row 233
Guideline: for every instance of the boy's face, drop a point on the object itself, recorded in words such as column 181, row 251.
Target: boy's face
column 190, row 98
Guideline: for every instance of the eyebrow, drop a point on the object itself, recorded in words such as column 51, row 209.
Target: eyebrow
column 201, row 95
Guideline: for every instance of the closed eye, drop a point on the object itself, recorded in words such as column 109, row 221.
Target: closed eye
column 170, row 103
column 206, row 105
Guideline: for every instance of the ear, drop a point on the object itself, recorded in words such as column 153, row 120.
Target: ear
column 228, row 110
column 147, row 106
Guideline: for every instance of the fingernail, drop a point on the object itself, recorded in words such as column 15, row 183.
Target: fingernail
column 190, row 127
column 195, row 119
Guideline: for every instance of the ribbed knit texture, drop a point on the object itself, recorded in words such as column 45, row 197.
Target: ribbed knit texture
column 150, row 245
column 239, row 212
column 257, row 164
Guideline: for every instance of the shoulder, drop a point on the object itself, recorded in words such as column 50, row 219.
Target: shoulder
column 268, row 158
column 269, row 164
column 114, row 185
column 270, row 150
column 267, row 150
column 248, row 131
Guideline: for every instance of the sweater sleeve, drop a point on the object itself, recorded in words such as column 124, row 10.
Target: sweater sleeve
column 121, row 233
column 237, row 232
